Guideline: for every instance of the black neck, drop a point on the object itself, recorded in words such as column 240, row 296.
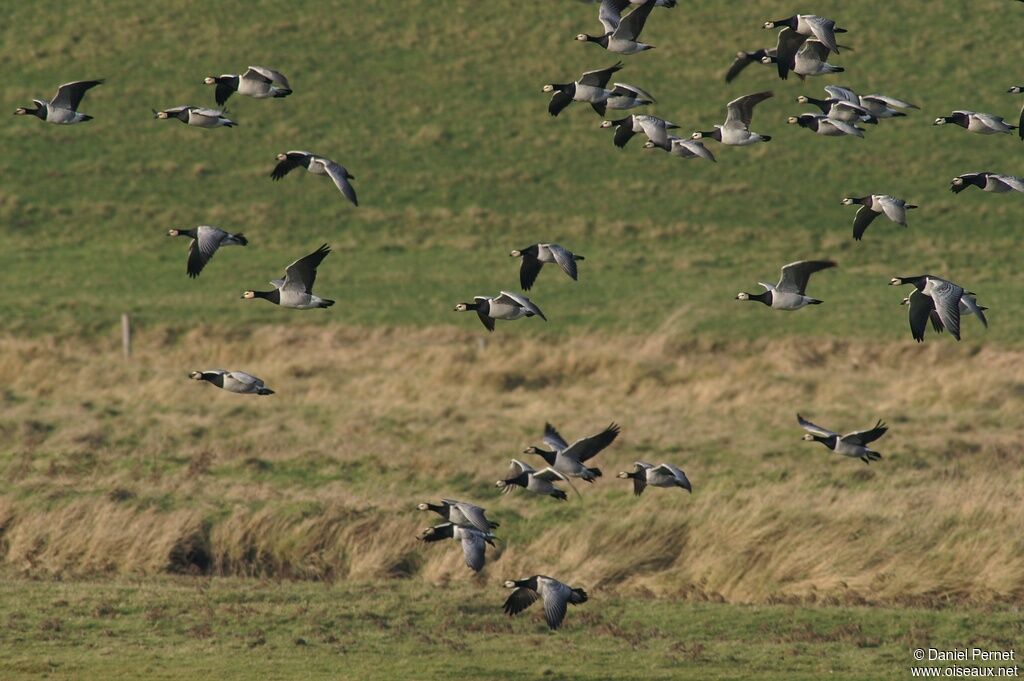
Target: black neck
column 765, row 297
column 549, row 457
column 273, row 296
column 215, row 378
column 829, row 441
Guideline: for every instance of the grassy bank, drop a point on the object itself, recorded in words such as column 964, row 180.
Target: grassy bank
column 127, row 467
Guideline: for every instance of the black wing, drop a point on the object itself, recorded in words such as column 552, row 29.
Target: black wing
column 922, row 308
column 292, row 160
column 528, row 270
column 623, row 133
column 222, row 93
column 486, row 319
column 521, row 599
column 789, row 44
column 559, row 101
column 866, row 437
column 742, row 61
column 865, row 216
column 587, row 448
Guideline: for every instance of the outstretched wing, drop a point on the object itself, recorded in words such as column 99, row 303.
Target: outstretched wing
column 564, row 259
column 921, row 309
column 633, row 23
column 841, row 93
column 587, row 448
column 610, row 14
column 292, row 160
column 473, row 548
column 865, row 216
column 795, row 275
column 742, row 61
column 822, row 29
column 789, row 44
column 202, row 248
column 865, row 437
column 741, row 109
column 268, row 75
column 946, row 296
column 520, row 600
column 812, row 428
column 556, row 599
column 600, row 77
column 301, row 274
column 553, row 439
column 69, row 95
column 341, row 180
column 559, row 101
column 523, row 301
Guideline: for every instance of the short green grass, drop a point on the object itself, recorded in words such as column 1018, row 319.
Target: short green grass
column 436, row 108
column 244, row 629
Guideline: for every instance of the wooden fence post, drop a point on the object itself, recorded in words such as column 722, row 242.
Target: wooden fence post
column 126, row 334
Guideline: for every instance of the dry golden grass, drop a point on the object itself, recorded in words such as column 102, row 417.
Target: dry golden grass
column 127, row 467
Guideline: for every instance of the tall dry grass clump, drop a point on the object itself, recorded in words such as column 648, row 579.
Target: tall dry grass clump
column 127, row 467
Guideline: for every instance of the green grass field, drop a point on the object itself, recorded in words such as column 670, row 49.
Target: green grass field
column 151, row 527
column 228, row 629
column 436, row 108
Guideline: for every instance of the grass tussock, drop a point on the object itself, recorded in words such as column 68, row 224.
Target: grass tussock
column 127, row 467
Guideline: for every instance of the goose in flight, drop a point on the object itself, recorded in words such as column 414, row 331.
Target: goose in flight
column 981, row 123
column 257, row 82
column 810, row 25
column 296, row 289
column 790, row 293
column 507, row 306
column 589, row 88
column 317, row 165
column 736, row 129
column 656, row 129
column 986, row 181
column 63, row 108
column 744, row 59
column 663, row 475
column 940, row 295
column 460, row 513
column 539, row 482
column 233, row 381
column 880, row 106
column 840, row 110
column 196, row 116
column 685, row 148
column 536, row 255
column 825, row 125
column 554, row 595
column 569, row 459
column 803, row 57
column 474, row 542
column 205, row 242
column 874, row 205
column 854, row 445
column 621, row 34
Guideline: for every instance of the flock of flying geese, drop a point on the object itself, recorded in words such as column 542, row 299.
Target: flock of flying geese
column 804, row 43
